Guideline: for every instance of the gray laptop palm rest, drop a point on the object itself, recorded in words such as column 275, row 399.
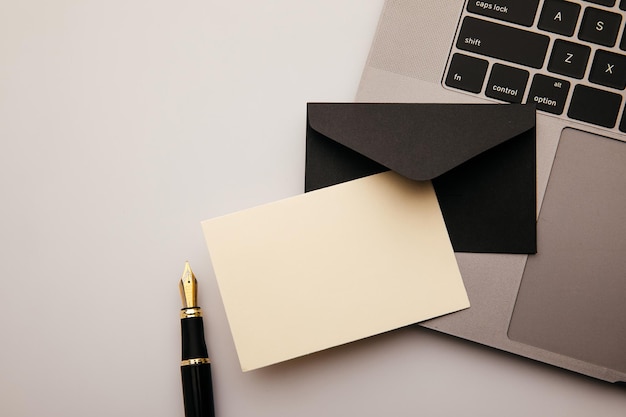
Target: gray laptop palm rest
column 564, row 306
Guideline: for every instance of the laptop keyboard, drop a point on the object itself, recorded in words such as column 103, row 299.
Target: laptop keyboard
column 567, row 57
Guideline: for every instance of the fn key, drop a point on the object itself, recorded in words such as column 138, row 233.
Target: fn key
column 466, row 73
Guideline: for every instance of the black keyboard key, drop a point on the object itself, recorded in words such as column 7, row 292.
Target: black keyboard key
column 503, row 42
column 599, row 26
column 622, row 125
column 507, row 83
column 515, row 11
column 622, row 4
column 622, row 44
column 610, row 3
column 594, row 106
column 559, row 16
column 608, row 69
column 569, row 59
column 549, row 94
column 466, row 73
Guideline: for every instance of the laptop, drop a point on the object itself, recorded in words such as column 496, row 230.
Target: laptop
column 566, row 305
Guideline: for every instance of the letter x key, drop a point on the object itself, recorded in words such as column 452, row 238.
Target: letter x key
column 609, row 69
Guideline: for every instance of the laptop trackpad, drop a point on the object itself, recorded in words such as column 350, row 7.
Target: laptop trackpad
column 572, row 298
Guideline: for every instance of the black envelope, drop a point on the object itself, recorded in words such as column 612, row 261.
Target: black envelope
column 481, row 159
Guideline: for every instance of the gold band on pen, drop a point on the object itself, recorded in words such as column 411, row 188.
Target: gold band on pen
column 186, row 313
column 194, row 361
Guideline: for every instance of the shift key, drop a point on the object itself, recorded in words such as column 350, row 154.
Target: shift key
column 503, row 42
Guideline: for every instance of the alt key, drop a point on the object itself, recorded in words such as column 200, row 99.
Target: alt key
column 549, row 94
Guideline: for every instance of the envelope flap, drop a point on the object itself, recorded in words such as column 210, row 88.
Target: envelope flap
column 420, row 141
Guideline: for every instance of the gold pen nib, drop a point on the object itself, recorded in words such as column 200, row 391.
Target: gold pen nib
column 188, row 288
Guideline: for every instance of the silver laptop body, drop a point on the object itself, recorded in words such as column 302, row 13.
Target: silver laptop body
column 566, row 305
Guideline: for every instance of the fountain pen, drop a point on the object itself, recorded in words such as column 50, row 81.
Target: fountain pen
column 195, row 365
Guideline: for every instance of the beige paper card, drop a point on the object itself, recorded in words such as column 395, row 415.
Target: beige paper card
column 333, row 266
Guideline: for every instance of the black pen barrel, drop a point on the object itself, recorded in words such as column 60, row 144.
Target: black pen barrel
column 192, row 335
column 196, row 369
column 197, row 390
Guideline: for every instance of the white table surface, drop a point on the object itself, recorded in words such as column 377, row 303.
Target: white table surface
column 124, row 124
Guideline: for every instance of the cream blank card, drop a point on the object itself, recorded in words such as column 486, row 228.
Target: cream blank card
column 333, row 266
